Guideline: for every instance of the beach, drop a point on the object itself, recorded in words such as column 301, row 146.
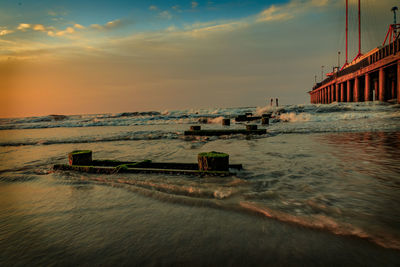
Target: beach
column 322, row 187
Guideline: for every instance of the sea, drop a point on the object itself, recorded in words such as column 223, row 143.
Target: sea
column 321, row 188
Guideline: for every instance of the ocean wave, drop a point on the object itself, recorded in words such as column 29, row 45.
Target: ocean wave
column 294, row 117
column 221, row 194
column 322, row 222
column 133, row 114
column 140, row 135
column 16, row 178
column 289, row 113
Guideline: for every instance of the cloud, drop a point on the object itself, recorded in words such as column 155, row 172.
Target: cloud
column 153, row 8
column 52, row 13
column 97, row 26
column 78, row 26
column 194, row 4
column 59, row 13
column 274, row 13
column 290, row 10
column 113, row 24
column 5, row 32
column 165, row 14
column 23, row 26
column 109, row 25
column 39, row 27
column 68, row 30
column 319, row 3
column 198, row 25
column 176, row 8
column 226, row 27
column 51, row 31
column 171, row 29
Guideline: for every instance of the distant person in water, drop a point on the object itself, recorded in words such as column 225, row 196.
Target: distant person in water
column 276, row 99
column 272, row 101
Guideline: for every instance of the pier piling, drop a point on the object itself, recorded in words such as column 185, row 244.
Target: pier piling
column 349, row 91
column 356, row 89
column 398, row 82
column 382, row 90
column 367, row 92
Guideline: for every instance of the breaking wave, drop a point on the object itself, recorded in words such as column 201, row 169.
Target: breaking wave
column 225, row 194
column 322, row 222
column 365, row 116
column 140, row 135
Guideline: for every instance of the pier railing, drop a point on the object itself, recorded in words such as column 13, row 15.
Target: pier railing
column 383, row 52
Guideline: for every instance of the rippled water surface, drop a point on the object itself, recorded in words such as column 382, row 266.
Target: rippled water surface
column 322, row 187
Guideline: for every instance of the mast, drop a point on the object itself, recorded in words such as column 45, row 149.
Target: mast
column 359, row 31
column 394, row 9
column 347, row 36
column 347, row 32
column 359, row 27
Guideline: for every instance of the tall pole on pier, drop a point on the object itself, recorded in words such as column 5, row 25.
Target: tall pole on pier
column 322, row 72
column 359, row 28
column 394, row 9
column 347, row 31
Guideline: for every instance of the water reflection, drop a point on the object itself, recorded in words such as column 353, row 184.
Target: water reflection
column 372, row 153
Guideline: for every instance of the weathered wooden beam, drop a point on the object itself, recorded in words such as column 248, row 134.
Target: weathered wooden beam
column 195, row 127
column 225, row 132
column 150, row 164
column 112, row 170
column 251, row 127
column 247, row 118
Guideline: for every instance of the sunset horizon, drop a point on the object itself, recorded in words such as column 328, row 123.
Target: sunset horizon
column 109, row 57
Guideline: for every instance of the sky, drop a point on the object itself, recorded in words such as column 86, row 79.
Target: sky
column 88, row 57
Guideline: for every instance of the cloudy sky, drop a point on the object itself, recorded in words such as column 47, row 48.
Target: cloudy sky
column 74, row 56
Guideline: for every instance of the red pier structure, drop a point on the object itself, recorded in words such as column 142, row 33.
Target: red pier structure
column 372, row 76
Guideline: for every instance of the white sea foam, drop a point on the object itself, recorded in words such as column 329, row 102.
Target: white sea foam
column 217, row 120
column 293, row 117
column 365, row 116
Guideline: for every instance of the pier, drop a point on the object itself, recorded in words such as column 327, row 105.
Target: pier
column 375, row 76
column 371, row 76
